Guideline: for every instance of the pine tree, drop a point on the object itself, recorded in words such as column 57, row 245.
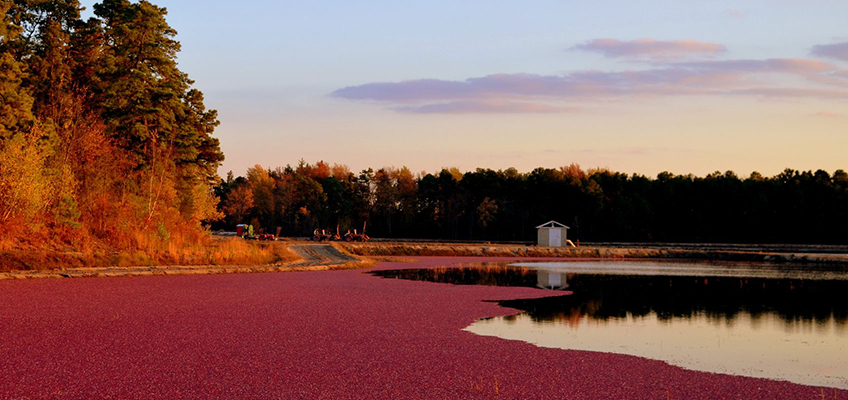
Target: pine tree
column 46, row 45
column 114, row 137
column 15, row 103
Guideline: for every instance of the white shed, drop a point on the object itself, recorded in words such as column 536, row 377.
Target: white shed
column 552, row 234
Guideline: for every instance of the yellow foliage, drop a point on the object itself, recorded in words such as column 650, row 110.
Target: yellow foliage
column 23, row 184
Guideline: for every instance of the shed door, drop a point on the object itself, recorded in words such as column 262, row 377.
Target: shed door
column 556, row 238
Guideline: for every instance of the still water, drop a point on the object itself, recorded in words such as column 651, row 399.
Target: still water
column 786, row 323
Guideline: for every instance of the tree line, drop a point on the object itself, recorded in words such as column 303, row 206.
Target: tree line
column 103, row 140
column 507, row 205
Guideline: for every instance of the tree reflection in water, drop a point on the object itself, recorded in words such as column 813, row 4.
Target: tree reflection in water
column 754, row 320
column 603, row 297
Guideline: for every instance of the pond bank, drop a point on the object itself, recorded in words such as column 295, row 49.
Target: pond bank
column 621, row 251
column 305, row 257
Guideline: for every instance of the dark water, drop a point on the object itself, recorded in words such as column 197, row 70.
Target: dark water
column 787, row 322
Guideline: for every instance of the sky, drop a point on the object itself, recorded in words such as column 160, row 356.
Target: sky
column 634, row 86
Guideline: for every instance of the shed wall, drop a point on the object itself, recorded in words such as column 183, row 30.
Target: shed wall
column 543, row 239
column 551, row 237
column 555, row 237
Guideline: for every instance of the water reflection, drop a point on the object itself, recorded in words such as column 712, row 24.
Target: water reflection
column 552, row 280
column 785, row 323
column 491, row 274
column 812, row 354
column 721, row 299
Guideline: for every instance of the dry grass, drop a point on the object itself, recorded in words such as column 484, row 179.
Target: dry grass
column 225, row 251
column 205, row 251
column 374, row 249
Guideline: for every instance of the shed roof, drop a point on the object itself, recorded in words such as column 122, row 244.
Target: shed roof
column 552, row 224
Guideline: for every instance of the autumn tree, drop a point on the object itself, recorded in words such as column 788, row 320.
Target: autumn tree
column 239, row 203
column 598, row 204
column 262, row 188
column 22, row 181
column 117, row 144
column 385, row 197
column 15, row 103
column 487, row 212
column 407, row 194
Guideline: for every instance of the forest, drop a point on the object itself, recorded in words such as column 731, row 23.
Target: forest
column 506, row 205
column 104, row 143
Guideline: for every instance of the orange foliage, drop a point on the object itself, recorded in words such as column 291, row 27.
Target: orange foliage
column 341, row 172
column 239, row 202
column 573, row 173
column 319, row 171
column 77, row 191
column 65, row 185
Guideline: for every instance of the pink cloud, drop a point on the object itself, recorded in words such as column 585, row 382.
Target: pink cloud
column 486, row 87
column 528, row 93
column 825, row 94
column 838, row 51
column 506, row 86
column 681, row 78
column 407, row 91
column 650, row 49
column 483, row 107
column 826, row 114
column 794, row 66
column 735, row 14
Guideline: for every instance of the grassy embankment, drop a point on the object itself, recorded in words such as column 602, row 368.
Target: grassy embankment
column 372, row 249
column 207, row 251
column 216, row 254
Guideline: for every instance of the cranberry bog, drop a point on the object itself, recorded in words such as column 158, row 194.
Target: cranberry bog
column 321, row 334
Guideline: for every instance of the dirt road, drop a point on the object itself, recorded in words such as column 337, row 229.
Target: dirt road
column 320, row 254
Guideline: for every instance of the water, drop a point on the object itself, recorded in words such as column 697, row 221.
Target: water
column 786, row 323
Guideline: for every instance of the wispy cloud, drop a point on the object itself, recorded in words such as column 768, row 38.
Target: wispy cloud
column 533, row 93
column 735, row 13
column 789, row 93
column 484, row 107
column 515, row 86
column 838, row 51
column 826, row 114
column 679, row 78
column 811, row 70
column 797, row 66
column 650, row 49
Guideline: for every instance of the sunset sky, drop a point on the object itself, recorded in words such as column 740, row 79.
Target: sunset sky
column 634, row 86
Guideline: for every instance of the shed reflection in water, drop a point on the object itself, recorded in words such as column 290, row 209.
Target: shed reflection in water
column 784, row 324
